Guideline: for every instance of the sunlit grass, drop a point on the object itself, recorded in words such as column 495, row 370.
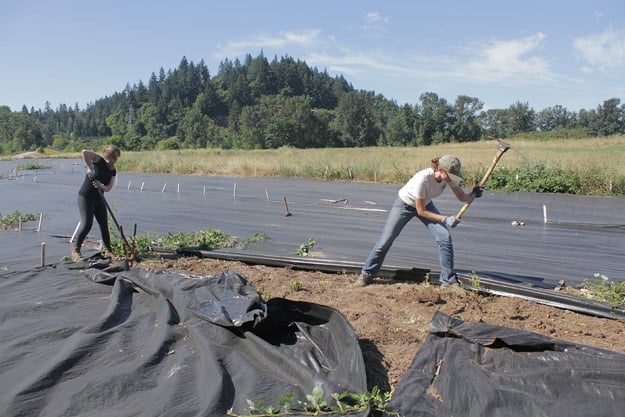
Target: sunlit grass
column 597, row 160
column 384, row 164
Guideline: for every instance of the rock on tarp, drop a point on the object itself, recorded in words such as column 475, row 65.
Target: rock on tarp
column 476, row 370
column 161, row 344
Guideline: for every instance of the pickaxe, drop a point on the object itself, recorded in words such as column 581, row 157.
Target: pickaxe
column 125, row 243
column 503, row 147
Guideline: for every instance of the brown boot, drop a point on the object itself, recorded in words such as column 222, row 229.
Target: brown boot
column 363, row 280
column 76, row 256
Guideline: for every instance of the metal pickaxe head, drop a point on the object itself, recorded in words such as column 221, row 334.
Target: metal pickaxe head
column 504, row 146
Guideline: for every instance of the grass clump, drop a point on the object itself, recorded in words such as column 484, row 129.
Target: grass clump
column 256, row 237
column 31, row 165
column 305, row 248
column 602, row 289
column 11, row 220
column 150, row 243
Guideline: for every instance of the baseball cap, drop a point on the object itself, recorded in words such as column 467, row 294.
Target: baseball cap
column 451, row 165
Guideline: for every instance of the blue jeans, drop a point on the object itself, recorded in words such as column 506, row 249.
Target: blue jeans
column 399, row 216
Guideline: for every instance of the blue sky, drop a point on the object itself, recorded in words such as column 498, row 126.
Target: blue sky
column 543, row 53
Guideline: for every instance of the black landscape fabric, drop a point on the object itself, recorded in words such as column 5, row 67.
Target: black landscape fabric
column 99, row 340
column 476, row 370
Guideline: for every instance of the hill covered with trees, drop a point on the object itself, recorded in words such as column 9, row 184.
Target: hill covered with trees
column 258, row 104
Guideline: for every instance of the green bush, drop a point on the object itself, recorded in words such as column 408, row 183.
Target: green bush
column 167, row 144
column 535, row 177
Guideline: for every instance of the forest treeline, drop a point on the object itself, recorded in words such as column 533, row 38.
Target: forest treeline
column 258, row 104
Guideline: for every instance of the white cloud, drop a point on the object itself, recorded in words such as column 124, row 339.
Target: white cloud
column 376, row 17
column 510, row 60
column 375, row 24
column 282, row 40
column 604, row 52
column 357, row 64
column 372, row 17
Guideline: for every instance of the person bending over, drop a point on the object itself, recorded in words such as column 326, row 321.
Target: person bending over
column 100, row 177
column 415, row 200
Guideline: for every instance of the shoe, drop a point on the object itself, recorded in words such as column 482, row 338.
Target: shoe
column 454, row 287
column 363, row 280
column 76, row 256
column 107, row 254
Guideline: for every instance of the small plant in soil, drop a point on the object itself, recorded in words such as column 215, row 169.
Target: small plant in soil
column 601, row 288
column 316, row 405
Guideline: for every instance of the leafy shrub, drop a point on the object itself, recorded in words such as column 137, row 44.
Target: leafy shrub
column 13, row 219
column 536, row 177
column 167, row 144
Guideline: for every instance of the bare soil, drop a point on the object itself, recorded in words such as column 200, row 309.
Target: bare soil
column 391, row 318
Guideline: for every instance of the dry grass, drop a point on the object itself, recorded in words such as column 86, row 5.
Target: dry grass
column 377, row 164
column 380, row 164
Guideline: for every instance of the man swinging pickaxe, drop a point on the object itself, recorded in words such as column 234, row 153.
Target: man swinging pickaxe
column 503, row 147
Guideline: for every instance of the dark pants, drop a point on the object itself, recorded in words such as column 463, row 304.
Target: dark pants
column 88, row 210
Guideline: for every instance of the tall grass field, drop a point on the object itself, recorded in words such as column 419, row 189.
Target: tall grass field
column 577, row 166
column 590, row 166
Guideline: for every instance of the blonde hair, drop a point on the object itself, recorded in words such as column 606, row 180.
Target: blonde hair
column 434, row 162
column 111, row 151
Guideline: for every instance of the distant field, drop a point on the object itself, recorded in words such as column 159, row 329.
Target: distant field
column 596, row 156
column 601, row 158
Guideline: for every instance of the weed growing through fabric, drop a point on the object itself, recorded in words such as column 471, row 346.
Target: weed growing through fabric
column 316, row 405
column 305, row 248
column 12, row 220
column 601, row 288
column 150, row 243
column 256, row 237
column 202, row 240
column 296, row 285
column 31, row 165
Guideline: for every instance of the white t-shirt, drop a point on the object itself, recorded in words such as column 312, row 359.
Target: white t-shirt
column 422, row 185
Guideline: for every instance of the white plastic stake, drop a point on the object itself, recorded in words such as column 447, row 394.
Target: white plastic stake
column 545, row 213
column 164, row 186
column 40, row 218
column 74, row 234
column 142, row 184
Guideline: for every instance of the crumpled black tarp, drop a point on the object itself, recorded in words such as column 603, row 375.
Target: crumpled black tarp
column 162, row 344
column 477, row 370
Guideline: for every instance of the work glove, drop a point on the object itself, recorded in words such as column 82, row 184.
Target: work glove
column 477, row 191
column 91, row 171
column 98, row 185
column 451, row 221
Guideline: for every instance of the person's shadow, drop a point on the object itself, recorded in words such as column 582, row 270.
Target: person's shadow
column 377, row 374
